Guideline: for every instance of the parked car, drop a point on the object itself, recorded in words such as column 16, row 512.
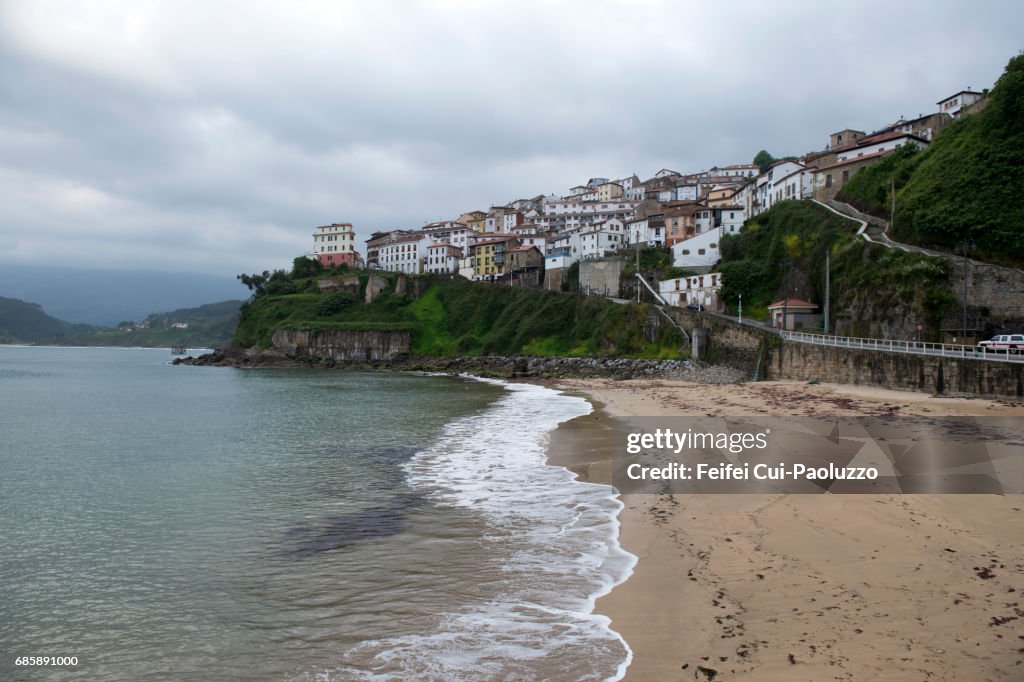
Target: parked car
column 696, row 306
column 1003, row 343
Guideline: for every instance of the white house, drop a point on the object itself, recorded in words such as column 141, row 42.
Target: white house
column 772, row 190
column 696, row 290
column 879, row 143
column 558, row 259
column 510, row 220
column 729, row 217
column 640, row 230
column 953, row 104
column 335, row 244
column 741, row 170
column 442, row 258
column 405, row 254
column 601, row 239
column 687, row 191
column 700, row 251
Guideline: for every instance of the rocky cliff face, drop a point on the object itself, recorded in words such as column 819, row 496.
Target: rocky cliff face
column 343, row 346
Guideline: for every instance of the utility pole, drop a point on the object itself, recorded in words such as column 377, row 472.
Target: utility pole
column 827, row 283
column 637, row 268
column 741, row 308
column 892, row 214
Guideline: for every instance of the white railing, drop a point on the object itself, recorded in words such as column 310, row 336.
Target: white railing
column 947, row 350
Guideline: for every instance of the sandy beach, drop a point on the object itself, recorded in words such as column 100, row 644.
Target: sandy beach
column 807, row 587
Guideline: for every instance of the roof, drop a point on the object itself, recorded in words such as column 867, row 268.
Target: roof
column 494, row 240
column 782, row 161
column 881, row 137
column 872, row 155
column 525, row 247
column 793, row 303
column 962, row 92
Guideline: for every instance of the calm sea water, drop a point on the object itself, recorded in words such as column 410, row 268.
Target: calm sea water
column 193, row 523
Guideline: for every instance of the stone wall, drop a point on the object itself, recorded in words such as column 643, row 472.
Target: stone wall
column 900, row 371
column 999, row 290
column 728, row 342
column 343, row 346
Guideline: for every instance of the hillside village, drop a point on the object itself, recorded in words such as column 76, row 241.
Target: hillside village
column 533, row 242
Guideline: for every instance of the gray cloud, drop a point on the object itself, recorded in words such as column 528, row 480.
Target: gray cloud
column 215, row 136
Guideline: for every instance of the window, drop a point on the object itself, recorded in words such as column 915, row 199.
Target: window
column 846, row 175
column 686, row 252
column 828, row 180
column 700, row 252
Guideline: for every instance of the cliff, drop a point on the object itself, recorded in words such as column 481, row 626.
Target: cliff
column 444, row 317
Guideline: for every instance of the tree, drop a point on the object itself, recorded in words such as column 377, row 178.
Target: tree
column 303, row 267
column 763, row 159
column 256, row 282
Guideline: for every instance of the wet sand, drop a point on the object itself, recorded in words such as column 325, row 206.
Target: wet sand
column 807, row 587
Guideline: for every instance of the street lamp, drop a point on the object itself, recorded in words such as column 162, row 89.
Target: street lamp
column 964, row 246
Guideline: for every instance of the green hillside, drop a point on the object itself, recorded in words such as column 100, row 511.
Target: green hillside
column 965, row 185
column 875, row 291
column 22, row 322
column 457, row 317
column 208, row 326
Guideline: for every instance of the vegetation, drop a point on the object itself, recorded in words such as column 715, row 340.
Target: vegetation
column 22, row 322
column 965, row 185
column 781, row 253
column 763, row 159
column 457, row 317
column 206, row 326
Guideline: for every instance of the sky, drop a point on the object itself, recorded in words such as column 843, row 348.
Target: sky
column 215, row 136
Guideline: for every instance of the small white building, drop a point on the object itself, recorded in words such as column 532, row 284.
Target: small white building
column 700, row 290
column 954, row 104
column 699, row 252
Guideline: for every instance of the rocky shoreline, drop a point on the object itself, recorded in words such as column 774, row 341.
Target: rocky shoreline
column 490, row 366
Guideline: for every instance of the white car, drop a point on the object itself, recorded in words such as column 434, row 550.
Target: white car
column 1004, row 343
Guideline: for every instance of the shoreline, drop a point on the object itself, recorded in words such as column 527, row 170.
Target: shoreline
column 777, row 587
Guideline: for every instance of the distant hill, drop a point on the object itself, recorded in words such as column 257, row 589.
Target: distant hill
column 207, row 326
column 966, row 184
column 106, row 297
column 22, row 322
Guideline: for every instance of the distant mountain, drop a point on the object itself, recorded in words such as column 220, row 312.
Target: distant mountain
column 106, row 297
column 22, row 322
column 207, row 326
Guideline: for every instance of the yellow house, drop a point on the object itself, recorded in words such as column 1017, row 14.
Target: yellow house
column 474, row 220
column 490, row 257
column 721, row 196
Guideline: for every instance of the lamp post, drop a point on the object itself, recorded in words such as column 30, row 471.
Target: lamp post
column 741, row 308
column 785, row 290
column 965, row 245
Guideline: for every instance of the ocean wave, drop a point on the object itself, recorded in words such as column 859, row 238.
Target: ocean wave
column 557, row 541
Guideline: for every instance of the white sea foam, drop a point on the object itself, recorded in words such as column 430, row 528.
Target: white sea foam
column 557, row 539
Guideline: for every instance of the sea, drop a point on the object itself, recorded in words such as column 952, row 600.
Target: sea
column 163, row 522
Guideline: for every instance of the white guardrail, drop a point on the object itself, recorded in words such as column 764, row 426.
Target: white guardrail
column 946, row 350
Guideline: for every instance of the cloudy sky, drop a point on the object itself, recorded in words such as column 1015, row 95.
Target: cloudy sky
column 214, row 136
